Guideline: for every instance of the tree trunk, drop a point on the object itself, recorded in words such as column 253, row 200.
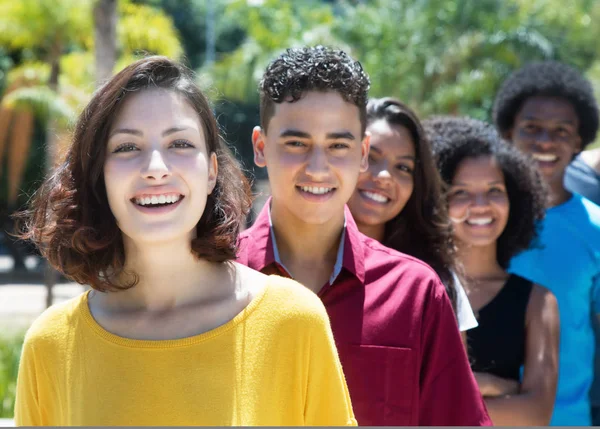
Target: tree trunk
column 105, row 37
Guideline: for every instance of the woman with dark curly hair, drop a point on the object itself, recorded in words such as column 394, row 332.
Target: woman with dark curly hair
column 146, row 209
column 495, row 198
column 397, row 201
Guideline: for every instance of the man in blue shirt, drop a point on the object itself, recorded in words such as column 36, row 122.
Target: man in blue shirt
column 548, row 110
column 583, row 175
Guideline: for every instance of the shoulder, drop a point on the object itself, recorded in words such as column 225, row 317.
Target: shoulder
column 542, row 305
column 404, row 271
column 283, row 298
column 55, row 324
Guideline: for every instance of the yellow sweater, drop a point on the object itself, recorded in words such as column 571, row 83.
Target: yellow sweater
column 275, row 364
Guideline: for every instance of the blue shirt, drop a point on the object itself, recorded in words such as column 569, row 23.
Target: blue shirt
column 567, row 261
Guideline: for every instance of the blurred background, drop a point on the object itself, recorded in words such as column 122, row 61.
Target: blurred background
column 439, row 56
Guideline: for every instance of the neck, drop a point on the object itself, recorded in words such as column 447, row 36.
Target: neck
column 169, row 275
column 557, row 194
column 307, row 245
column 479, row 262
column 376, row 232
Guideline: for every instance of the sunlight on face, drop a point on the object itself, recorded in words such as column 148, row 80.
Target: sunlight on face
column 385, row 188
column 157, row 171
column 314, row 151
column 478, row 202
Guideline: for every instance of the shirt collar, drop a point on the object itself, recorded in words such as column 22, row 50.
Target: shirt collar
column 337, row 268
column 262, row 250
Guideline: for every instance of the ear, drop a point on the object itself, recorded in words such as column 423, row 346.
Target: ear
column 364, row 152
column 258, row 145
column 213, row 171
column 578, row 145
column 507, row 135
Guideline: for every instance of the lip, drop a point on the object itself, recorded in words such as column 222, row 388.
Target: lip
column 377, row 191
column 480, row 226
column 158, row 210
column 316, row 198
column 156, row 190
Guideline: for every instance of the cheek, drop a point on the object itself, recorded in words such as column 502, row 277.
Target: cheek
column 457, row 208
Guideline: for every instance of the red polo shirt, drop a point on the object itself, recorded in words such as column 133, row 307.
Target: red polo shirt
column 396, row 334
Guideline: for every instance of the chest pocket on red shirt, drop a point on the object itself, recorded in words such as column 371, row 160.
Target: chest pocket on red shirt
column 382, row 382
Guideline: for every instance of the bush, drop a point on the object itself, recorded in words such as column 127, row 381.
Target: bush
column 10, row 352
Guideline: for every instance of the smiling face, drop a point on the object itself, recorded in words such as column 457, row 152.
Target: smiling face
column 478, row 202
column 548, row 129
column 157, row 171
column 314, row 151
column 384, row 189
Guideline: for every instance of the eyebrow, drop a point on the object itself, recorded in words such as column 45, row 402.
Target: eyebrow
column 138, row 133
column 409, row 157
column 330, row 136
column 497, row 182
column 534, row 118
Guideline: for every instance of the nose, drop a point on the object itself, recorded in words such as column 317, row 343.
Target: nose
column 381, row 171
column 480, row 200
column 318, row 165
column 157, row 167
column 543, row 138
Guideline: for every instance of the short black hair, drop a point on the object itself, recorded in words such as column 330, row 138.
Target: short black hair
column 319, row 68
column 455, row 139
column 553, row 79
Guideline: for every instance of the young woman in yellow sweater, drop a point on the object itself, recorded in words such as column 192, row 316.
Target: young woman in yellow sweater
column 146, row 209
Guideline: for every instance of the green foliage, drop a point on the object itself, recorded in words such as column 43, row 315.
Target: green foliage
column 10, row 352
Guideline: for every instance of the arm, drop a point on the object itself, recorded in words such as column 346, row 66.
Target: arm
column 534, row 403
column 327, row 398
column 448, row 394
column 27, row 407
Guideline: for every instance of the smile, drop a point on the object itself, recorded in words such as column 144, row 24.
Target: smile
column 545, row 157
column 316, row 190
column 480, row 221
column 378, row 198
column 157, row 200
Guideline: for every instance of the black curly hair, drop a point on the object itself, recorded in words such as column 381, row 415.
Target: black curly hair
column 319, row 68
column 455, row 139
column 422, row 228
column 553, row 79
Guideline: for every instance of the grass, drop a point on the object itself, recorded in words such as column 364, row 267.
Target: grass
column 10, row 352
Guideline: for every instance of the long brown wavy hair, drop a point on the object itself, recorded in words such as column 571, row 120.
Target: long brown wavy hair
column 69, row 218
column 422, row 228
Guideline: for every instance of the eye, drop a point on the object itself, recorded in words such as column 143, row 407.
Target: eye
column 294, row 143
column 339, row 146
column 125, row 147
column 181, row 144
column 404, row 168
column 529, row 128
column 496, row 190
column 458, row 193
column 563, row 132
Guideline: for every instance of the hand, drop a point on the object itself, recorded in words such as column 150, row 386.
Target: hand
column 491, row 385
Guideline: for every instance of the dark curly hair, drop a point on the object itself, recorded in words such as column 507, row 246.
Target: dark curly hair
column 456, row 139
column 299, row 70
column 553, row 79
column 422, row 228
column 69, row 217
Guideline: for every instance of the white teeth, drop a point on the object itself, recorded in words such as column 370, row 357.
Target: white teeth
column 480, row 221
column 317, row 190
column 375, row 197
column 157, row 199
column 545, row 157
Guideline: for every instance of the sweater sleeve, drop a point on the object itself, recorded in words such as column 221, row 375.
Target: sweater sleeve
column 449, row 395
column 327, row 398
column 27, row 406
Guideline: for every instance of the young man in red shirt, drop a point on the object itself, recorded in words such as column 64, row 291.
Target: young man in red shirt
column 395, row 330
